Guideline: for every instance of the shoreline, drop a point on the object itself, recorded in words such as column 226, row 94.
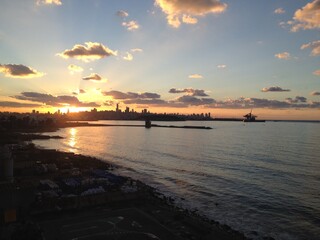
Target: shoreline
column 125, row 194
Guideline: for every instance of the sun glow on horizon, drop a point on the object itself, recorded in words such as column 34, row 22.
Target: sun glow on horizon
column 73, row 109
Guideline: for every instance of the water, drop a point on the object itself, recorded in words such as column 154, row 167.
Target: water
column 256, row 177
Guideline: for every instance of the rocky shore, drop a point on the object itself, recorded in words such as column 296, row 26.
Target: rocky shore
column 60, row 195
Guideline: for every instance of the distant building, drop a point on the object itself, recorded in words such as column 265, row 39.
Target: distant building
column 117, row 109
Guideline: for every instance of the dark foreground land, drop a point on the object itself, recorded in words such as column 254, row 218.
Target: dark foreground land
column 59, row 195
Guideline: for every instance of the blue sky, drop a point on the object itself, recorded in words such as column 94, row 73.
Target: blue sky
column 240, row 54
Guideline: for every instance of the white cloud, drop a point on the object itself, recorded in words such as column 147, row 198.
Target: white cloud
column 74, row 68
column 315, row 46
column 186, row 10
column 283, row 55
column 189, row 20
column 131, row 25
column 308, row 17
column 221, row 66
column 196, row 76
column 128, row 57
column 136, row 50
column 279, row 11
column 48, row 2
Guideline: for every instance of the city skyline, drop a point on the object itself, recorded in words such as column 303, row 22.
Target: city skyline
column 221, row 57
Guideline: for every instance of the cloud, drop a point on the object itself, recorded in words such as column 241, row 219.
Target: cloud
column 193, row 101
column 145, row 101
column 131, row 95
column 274, row 89
column 279, row 11
column 149, row 95
column 80, row 91
column 154, row 99
column 116, row 94
column 221, row 66
column 300, row 99
column 317, row 72
column 19, row 71
column 75, row 68
column 56, row 101
column 122, row 14
column 94, row 77
column 243, row 103
column 195, row 76
column 178, row 11
column 49, row 2
column 184, row 101
column 108, row 103
column 189, row 20
column 136, row 50
column 297, row 99
column 37, row 97
column 92, row 51
column 18, row 104
column 315, row 46
column 128, row 57
column 190, row 92
column 283, row 55
column 145, row 98
column 308, row 17
column 315, row 93
column 131, row 25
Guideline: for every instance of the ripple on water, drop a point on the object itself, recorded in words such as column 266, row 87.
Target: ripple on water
column 253, row 177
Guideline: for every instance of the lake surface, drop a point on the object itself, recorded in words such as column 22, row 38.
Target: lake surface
column 260, row 178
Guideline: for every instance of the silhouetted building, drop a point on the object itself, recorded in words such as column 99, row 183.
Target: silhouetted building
column 118, row 109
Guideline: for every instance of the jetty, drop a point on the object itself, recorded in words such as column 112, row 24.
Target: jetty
column 146, row 125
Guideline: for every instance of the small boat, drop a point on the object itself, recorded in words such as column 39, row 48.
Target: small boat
column 249, row 117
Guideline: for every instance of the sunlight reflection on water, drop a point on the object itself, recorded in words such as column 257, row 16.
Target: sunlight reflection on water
column 72, row 140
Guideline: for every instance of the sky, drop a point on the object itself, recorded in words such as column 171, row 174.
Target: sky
column 175, row 56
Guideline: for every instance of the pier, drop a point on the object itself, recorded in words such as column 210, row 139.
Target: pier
column 146, row 125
